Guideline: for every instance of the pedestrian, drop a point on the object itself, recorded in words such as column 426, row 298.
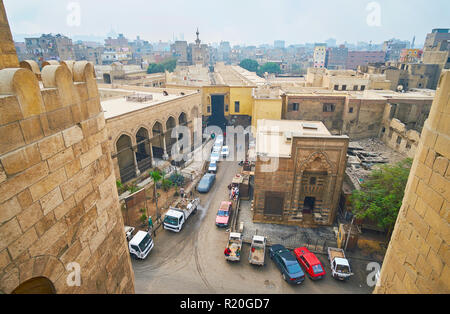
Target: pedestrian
column 150, row 224
column 227, row 252
column 182, row 192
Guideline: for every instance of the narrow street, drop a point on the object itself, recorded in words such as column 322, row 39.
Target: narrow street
column 192, row 261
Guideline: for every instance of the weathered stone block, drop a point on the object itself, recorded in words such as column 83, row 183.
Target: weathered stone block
column 64, row 208
column 73, row 168
column 22, row 243
column 60, row 119
column 83, row 192
column 72, row 135
column 31, row 129
column 30, row 216
column 51, row 200
column 61, row 159
column 440, row 165
column 9, row 110
column 48, row 239
column 51, row 99
column 51, row 145
column 10, row 137
column 21, row 159
column 9, row 209
column 47, row 184
column 22, row 181
column 9, row 232
column 91, row 156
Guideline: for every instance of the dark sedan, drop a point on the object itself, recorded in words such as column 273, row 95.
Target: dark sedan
column 206, row 183
column 287, row 263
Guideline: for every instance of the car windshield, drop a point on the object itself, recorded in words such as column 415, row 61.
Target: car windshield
column 294, row 268
column 171, row 220
column 343, row 269
column 222, row 213
column 317, row 269
column 215, row 154
column 145, row 242
column 212, row 165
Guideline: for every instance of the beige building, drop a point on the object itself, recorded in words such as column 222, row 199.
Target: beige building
column 417, row 259
column 59, row 206
column 139, row 123
column 299, row 173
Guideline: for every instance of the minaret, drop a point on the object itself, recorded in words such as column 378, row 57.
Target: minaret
column 198, row 41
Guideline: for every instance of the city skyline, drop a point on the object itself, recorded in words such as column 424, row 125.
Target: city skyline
column 378, row 21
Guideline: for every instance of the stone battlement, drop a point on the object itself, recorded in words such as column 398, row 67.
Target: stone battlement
column 32, row 109
column 58, row 200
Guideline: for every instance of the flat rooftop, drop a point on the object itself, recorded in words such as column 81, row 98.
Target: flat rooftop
column 416, row 94
column 119, row 105
column 274, row 137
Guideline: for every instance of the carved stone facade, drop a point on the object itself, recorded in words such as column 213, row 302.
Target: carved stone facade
column 304, row 187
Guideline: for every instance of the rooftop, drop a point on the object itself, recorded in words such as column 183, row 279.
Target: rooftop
column 274, row 137
column 120, row 105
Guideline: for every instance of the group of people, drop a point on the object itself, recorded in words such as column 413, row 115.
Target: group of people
column 227, row 251
column 234, row 192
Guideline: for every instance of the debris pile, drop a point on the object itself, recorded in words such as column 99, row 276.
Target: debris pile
column 364, row 155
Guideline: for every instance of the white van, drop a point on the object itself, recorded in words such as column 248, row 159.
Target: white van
column 141, row 244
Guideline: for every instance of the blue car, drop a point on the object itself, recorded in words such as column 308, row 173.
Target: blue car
column 206, row 183
column 287, row 263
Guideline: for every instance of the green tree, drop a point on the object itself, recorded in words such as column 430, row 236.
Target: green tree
column 249, row 65
column 381, row 195
column 170, row 65
column 269, row 67
column 155, row 68
column 167, row 65
column 156, row 176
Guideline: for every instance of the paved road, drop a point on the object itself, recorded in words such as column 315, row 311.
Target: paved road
column 192, row 261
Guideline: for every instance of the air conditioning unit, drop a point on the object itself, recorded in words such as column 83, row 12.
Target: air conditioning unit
column 288, row 136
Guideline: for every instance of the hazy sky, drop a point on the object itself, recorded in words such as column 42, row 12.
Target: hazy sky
column 238, row 21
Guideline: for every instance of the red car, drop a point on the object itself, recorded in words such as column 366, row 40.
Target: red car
column 310, row 263
column 223, row 214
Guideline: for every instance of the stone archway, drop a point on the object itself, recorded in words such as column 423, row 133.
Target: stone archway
column 125, row 158
column 37, row 285
column 170, row 141
column 143, row 153
column 314, row 176
column 158, row 146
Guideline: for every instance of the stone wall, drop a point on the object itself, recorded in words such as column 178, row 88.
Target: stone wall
column 8, row 56
column 58, row 199
column 417, row 259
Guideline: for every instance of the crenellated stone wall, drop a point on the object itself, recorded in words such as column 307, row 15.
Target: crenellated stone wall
column 58, row 197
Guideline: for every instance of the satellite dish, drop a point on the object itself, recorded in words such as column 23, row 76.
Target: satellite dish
column 400, row 88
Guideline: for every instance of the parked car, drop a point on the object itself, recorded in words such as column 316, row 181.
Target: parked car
column 212, row 167
column 223, row 214
column 340, row 267
column 206, row 183
column 287, row 263
column 310, row 263
column 215, row 156
column 225, row 152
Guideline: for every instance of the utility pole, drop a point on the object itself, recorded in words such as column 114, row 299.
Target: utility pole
column 349, row 233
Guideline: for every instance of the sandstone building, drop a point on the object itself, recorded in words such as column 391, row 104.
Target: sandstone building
column 299, row 173
column 58, row 199
column 139, row 123
column 417, row 260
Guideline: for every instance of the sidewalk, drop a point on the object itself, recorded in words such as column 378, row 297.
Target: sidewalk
column 291, row 237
